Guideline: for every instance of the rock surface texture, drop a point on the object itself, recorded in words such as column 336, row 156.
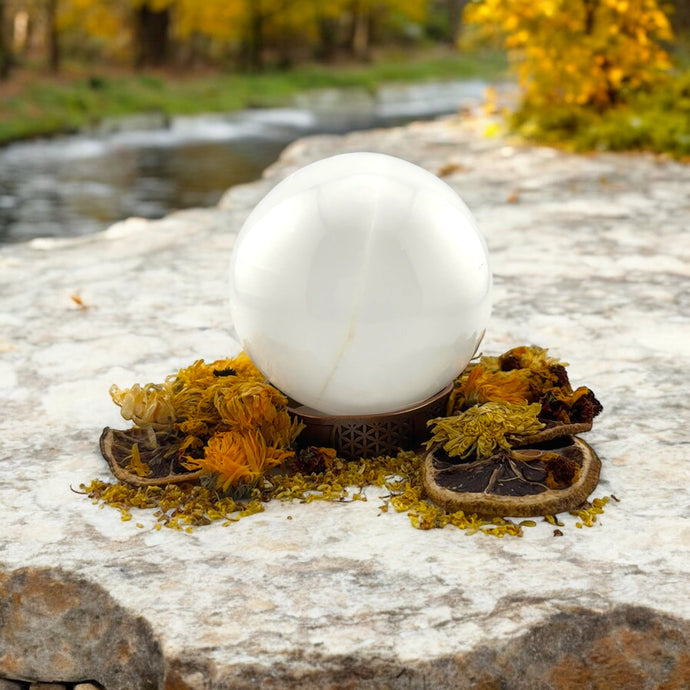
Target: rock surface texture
column 591, row 258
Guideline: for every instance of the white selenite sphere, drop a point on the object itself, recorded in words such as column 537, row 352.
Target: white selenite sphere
column 360, row 284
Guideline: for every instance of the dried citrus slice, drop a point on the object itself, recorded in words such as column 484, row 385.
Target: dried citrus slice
column 553, row 429
column 543, row 479
column 154, row 463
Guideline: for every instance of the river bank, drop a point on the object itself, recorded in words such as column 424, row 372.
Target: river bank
column 148, row 165
column 36, row 104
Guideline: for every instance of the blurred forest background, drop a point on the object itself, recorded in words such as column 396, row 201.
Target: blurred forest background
column 65, row 63
column 243, row 34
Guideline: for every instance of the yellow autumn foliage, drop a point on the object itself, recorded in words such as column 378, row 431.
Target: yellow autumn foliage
column 579, row 52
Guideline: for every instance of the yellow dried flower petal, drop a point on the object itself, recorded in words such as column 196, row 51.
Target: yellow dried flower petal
column 203, row 400
column 398, row 476
column 136, row 465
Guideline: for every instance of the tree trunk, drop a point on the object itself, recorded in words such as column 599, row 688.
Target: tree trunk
column 53, row 36
column 5, row 53
column 454, row 9
column 256, row 39
column 253, row 39
column 328, row 38
column 152, row 36
column 590, row 11
column 360, row 25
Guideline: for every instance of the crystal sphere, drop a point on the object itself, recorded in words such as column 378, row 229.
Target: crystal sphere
column 360, row 284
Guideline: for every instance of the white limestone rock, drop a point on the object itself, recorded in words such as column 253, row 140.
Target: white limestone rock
column 591, row 258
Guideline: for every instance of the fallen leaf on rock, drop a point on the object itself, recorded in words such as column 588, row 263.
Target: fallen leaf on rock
column 78, row 301
column 450, row 168
column 513, row 198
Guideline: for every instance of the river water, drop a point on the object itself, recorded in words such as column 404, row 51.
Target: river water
column 144, row 166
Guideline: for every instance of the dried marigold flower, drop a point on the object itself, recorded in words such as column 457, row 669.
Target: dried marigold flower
column 531, row 357
column 247, row 404
column 194, row 387
column 259, row 406
column 525, row 374
column 238, row 458
column 203, row 400
column 242, row 365
column 200, row 374
column 481, row 430
column 481, row 385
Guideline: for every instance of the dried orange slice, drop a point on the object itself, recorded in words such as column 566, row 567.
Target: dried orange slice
column 542, row 479
column 158, row 458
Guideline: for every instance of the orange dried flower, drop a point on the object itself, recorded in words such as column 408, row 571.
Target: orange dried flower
column 524, row 374
column 203, row 401
column 193, row 388
column 482, row 386
column 238, row 458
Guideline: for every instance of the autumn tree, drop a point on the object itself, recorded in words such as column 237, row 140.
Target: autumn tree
column 257, row 14
column 588, row 53
column 274, row 28
column 252, row 33
column 327, row 21
column 40, row 14
column 206, row 30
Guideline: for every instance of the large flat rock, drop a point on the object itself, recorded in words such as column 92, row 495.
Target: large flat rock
column 591, row 256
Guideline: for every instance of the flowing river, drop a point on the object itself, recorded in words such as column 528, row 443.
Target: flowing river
column 145, row 166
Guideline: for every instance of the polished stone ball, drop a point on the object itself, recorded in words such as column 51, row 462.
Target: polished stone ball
column 360, row 284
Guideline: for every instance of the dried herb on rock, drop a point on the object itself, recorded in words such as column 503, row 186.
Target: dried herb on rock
column 175, row 506
column 509, row 448
column 215, row 441
column 525, row 374
column 220, row 419
column 399, row 479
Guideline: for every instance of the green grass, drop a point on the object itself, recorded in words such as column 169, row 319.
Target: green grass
column 43, row 106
